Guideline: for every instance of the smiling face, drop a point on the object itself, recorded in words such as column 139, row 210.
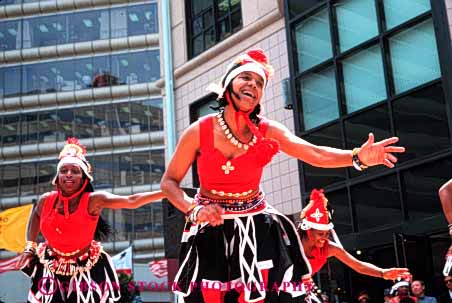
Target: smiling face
column 319, row 237
column 417, row 288
column 247, row 88
column 70, row 178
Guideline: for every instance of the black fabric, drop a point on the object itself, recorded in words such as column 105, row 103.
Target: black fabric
column 276, row 240
column 100, row 273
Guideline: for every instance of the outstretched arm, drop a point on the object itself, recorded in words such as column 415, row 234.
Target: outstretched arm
column 366, row 268
column 101, row 199
column 371, row 153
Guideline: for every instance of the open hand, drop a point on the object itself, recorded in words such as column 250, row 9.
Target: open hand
column 375, row 153
column 395, row 273
column 210, row 213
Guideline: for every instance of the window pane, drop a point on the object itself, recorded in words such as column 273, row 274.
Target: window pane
column 364, row 81
column 45, row 31
column 377, row 203
column 319, row 98
column 198, row 44
column 65, row 127
column 205, row 109
column 10, row 180
column 198, row 6
column 357, row 129
column 156, row 113
column 100, row 124
column 102, row 170
column 397, row 12
column 422, row 184
column 46, row 171
column 421, row 122
column 144, row 221
column 137, row 67
column 209, row 37
column 414, row 57
column 29, row 128
column 2, row 83
column 84, row 73
column 224, row 28
column 122, row 172
column 313, row 40
column 316, row 177
column 123, row 224
column 64, row 75
column 48, row 126
column 141, row 168
column 121, row 119
column 236, row 20
column 157, row 165
column 10, row 35
column 11, row 130
column 12, row 81
column 357, row 22
column 83, row 118
column 119, row 25
column 28, row 179
column 342, row 220
column 142, row 19
column 89, row 25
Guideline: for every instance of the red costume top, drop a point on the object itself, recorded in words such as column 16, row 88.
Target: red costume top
column 319, row 258
column 236, row 175
column 68, row 234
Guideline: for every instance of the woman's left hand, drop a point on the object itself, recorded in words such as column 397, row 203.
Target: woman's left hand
column 375, row 153
column 395, row 273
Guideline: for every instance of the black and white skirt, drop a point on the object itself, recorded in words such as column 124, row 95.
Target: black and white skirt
column 250, row 258
column 93, row 278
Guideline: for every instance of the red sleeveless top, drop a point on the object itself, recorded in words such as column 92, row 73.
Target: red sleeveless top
column 319, row 258
column 68, row 234
column 216, row 172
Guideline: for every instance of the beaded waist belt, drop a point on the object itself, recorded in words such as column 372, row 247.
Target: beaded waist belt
column 233, row 205
column 68, row 265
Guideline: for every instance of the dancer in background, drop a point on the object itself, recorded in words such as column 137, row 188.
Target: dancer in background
column 71, row 266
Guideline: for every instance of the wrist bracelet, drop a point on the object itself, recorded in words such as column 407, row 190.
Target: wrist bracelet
column 192, row 216
column 357, row 164
column 30, row 247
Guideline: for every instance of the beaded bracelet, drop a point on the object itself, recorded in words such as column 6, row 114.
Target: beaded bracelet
column 30, row 247
column 357, row 164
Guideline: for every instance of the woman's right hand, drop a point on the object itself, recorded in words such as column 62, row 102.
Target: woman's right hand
column 24, row 260
column 212, row 214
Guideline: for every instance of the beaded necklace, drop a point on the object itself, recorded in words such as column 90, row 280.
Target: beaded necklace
column 230, row 136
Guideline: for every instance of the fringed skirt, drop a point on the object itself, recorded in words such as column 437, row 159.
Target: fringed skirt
column 255, row 256
column 89, row 278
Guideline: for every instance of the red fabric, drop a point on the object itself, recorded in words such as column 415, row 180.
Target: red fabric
column 68, row 234
column 248, row 168
column 319, row 258
column 212, row 295
column 264, row 273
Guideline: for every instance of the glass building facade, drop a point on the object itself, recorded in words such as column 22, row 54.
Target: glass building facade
column 361, row 66
column 88, row 73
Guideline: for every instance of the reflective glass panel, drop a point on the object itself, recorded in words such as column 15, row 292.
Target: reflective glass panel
column 119, row 22
column 141, row 168
column 10, row 35
column 102, row 170
column 101, row 125
column 316, row 177
column 47, row 171
column 84, row 73
column 138, row 67
column 319, row 98
column 364, row 82
column 338, row 201
column 83, row 119
column 142, row 19
column 28, row 179
column 157, row 165
column 414, row 56
column 122, row 171
column 12, row 81
column 102, row 72
column 313, row 40
column 11, row 130
column 88, row 25
column 29, row 128
column 65, row 127
column 120, row 119
column 48, row 126
column 356, row 22
column 421, row 122
column 397, row 12
column 45, row 31
column 377, row 203
column 10, row 180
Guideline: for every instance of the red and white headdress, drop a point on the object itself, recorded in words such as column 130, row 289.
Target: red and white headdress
column 254, row 60
column 316, row 214
column 73, row 153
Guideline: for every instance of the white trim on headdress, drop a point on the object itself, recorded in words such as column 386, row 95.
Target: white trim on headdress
column 305, row 225
column 253, row 66
column 396, row 286
column 72, row 160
